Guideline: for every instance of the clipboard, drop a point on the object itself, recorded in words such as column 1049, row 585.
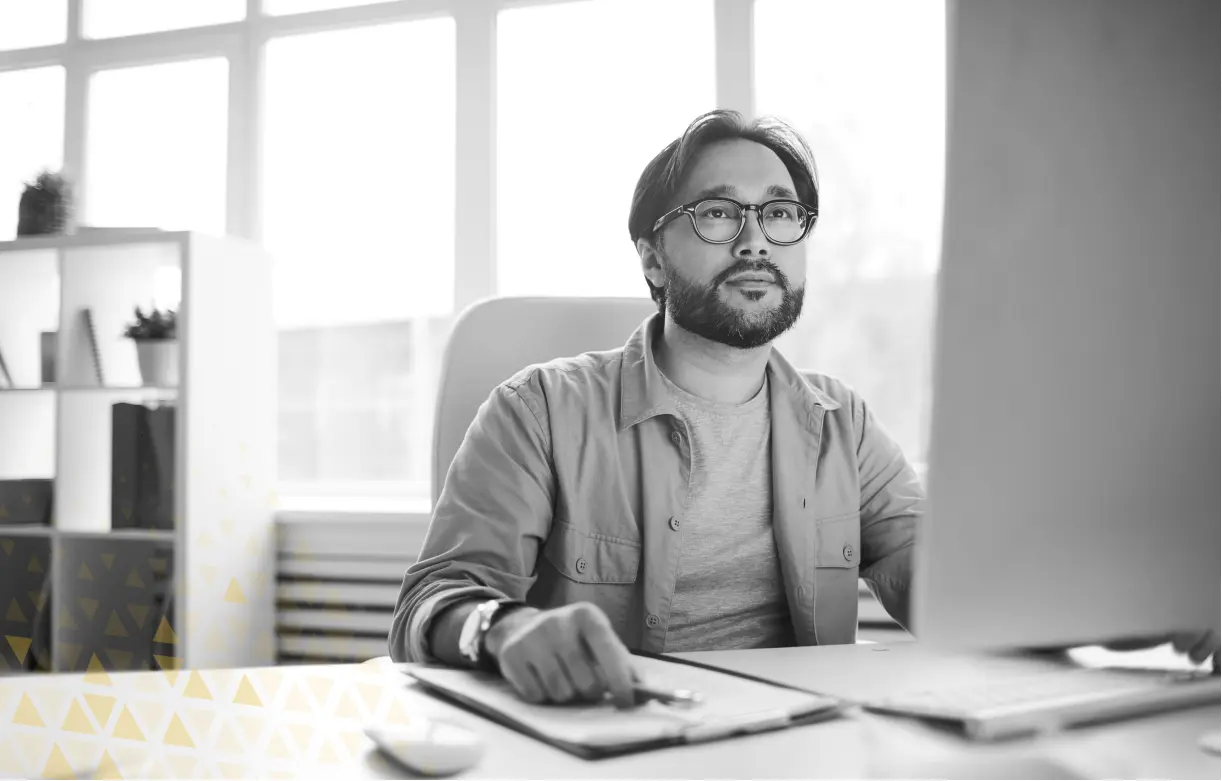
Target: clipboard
column 735, row 704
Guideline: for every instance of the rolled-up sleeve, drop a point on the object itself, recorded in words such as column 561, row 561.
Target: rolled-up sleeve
column 892, row 507
column 486, row 529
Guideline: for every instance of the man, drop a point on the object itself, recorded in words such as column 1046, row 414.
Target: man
column 690, row 491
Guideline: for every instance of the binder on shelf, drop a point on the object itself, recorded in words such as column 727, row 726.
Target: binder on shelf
column 26, row 502
column 733, row 704
column 142, row 466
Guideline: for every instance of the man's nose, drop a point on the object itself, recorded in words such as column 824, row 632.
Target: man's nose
column 752, row 242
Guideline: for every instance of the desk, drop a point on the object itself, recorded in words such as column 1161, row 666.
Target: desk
column 305, row 722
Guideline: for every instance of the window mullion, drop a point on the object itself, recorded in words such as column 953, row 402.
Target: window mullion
column 475, row 148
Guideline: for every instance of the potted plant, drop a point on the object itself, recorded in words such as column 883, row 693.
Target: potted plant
column 46, row 206
column 156, row 338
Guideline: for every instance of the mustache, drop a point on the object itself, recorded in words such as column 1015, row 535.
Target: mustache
column 758, row 267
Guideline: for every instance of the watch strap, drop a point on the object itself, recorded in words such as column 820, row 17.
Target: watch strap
column 486, row 662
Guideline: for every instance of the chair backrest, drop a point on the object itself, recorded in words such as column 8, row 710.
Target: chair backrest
column 495, row 338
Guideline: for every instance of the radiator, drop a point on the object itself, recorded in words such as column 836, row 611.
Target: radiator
column 337, row 582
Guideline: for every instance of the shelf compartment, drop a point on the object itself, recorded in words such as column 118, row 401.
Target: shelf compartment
column 25, row 604
column 29, row 307
column 115, row 604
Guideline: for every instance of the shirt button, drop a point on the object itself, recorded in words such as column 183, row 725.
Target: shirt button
column 848, row 552
column 674, row 524
column 676, row 437
column 652, row 620
column 581, row 565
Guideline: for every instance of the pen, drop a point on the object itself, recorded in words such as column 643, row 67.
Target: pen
column 680, row 697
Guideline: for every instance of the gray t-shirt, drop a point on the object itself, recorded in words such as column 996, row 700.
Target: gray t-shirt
column 730, row 592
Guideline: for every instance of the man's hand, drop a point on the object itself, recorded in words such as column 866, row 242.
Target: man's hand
column 568, row 654
column 1199, row 645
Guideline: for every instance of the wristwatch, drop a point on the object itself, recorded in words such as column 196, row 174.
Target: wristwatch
column 471, row 640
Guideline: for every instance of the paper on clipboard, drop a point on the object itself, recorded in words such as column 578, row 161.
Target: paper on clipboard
column 731, row 705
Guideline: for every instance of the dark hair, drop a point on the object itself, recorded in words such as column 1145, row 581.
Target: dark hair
column 660, row 181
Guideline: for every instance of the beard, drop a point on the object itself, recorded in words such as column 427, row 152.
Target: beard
column 699, row 308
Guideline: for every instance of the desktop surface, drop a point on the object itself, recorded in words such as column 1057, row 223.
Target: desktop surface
column 308, row 722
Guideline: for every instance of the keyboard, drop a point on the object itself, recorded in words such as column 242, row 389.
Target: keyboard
column 1014, row 704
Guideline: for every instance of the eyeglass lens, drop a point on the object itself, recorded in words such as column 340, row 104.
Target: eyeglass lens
column 782, row 221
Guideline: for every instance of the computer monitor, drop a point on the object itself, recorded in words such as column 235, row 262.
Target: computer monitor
column 1073, row 475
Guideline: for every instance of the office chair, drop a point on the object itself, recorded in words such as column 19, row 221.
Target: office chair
column 495, row 338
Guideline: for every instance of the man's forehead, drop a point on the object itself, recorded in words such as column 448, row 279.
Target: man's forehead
column 737, row 168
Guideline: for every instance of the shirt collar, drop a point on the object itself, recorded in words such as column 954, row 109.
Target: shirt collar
column 643, row 392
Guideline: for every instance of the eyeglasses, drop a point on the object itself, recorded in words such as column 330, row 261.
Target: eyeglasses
column 721, row 220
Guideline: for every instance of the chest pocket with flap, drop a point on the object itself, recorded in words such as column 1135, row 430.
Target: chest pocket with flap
column 587, row 557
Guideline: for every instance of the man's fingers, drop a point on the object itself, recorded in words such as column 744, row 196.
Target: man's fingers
column 612, row 661
column 1183, row 642
column 582, row 670
column 1206, row 645
column 523, row 680
column 555, row 682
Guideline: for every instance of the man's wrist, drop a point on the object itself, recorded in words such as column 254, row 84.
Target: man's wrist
column 504, row 626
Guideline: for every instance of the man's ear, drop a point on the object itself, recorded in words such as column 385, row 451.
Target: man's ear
column 651, row 262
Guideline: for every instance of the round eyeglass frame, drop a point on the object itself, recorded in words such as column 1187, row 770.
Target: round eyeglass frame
column 690, row 210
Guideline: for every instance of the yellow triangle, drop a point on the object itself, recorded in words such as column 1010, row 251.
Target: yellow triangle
column 232, row 770
column 165, row 634
column 20, row 646
column 176, row 734
column 139, row 612
column 346, row 707
column 321, row 688
column 108, row 559
column 76, row 720
column 277, row 748
column 298, row 700
column 356, row 742
column 397, row 715
column 246, row 694
column 183, row 766
column 327, row 755
column 66, row 621
column 35, row 566
column 14, row 612
column 83, row 573
column 114, row 627
column 70, row 652
column 101, row 705
column 196, row 687
column 157, row 564
column 27, row 714
column 371, row 694
column 57, row 765
column 171, row 665
column 122, row 659
column 126, row 728
column 199, row 723
column 96, row 673
column 228, row 741
column 301, row 735
column 7, row 545
column 133, row 579
column 234, row 592
column 106, row 767
column 90, row 606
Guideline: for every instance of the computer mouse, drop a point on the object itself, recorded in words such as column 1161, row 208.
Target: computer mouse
column 427, row 747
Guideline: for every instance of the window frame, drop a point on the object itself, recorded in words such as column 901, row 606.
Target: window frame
column 242, row 43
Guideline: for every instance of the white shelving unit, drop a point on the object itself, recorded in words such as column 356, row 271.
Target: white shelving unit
column 79, row 593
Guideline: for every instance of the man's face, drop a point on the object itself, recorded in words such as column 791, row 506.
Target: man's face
column 745, row 293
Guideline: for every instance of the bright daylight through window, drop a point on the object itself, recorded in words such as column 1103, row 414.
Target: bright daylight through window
column 351, row 167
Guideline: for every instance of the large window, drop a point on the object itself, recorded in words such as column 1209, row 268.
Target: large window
column 577, row 120
column 864, row 82
column 402, row 159
column 359, row 212
column 157, row 146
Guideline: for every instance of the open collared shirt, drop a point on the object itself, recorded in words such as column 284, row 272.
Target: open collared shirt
column 572, row 481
